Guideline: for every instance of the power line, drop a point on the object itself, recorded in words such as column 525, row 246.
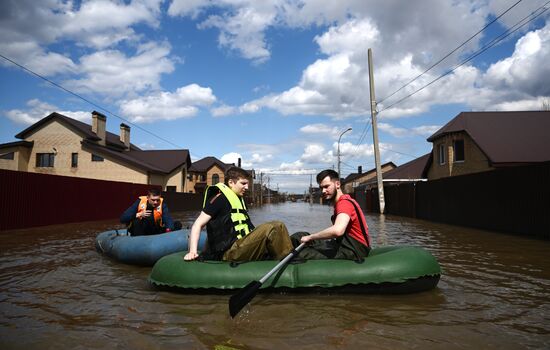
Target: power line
column 86, row 100
column 477, row 53
column 450, row 53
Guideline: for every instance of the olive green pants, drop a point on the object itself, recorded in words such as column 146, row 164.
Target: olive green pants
column 345, row 248
column 267, row 241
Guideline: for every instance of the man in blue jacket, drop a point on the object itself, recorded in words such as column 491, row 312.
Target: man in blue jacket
column 148, row 215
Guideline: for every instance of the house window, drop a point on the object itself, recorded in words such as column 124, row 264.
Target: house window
column 441, row 154
column 202, row 177
column 458, row 150
column 9, row 156
column 215, row 179
column 190, row 177
column 45, row 160
column 74, row 160
column 96, row 158
column 170, row 188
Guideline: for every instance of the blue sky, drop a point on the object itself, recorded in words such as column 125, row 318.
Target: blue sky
column 274, row 82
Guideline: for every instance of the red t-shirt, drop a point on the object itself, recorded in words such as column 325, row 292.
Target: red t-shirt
column 354, row 227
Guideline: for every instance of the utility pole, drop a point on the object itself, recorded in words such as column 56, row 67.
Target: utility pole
column 268, row 191
column 261, row 188
column 375, row 137
column 310, row 188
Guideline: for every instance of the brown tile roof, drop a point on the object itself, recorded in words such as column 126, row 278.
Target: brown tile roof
column 166, row 160
column 27, row 144
column 411, row 170
column 504, row 137
column 202, row 165
column 81, row 128
column 158, row 161
column 354, row 176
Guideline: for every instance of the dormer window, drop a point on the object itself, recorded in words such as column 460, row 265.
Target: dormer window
column 458, row 150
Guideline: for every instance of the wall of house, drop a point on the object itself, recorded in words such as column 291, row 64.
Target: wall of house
column 475, row 160
column 349, row 187
column 176, row 178
column 65, row 141
column 158, row 180
column 195, row 178
column 190, row 180
column 214, row 170
column 20, row 158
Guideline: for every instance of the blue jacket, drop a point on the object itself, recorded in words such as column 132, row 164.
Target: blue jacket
column 130, row 214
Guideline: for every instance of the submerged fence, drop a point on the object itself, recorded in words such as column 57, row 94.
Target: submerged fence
column 515, row 200
column 31, row 199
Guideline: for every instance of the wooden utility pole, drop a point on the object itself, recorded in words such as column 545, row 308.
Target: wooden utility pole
column 310, row 188
column 261, row 189
column 375, row 138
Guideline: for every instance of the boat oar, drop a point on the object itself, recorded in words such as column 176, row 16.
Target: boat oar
column 245, row 295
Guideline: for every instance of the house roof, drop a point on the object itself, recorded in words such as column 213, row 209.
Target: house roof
column 504, row 137
column 158, row 161
column 202, row 165
column 81, row 128
column 411, row 170
column 27, row 144
column 351, row 177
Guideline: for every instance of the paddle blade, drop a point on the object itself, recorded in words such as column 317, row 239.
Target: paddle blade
column 243, row 297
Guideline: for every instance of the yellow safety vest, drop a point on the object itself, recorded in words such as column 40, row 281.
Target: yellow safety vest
column 239, row 214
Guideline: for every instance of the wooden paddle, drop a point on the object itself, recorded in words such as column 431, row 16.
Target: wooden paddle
column 245, row 295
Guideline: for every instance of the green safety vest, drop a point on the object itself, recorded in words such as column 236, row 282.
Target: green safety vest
column 226, row 228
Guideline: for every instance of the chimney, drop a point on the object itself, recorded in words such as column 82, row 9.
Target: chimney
column 239, row 162
column 125, row 135
column 360, row 169
column 98, row 126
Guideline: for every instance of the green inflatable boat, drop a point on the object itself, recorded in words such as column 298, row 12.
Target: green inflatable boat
column 390, row 269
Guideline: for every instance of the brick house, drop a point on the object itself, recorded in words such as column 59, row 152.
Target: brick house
column 355, row 179
column 205, row 172
column 60, row 145
column 474, row 142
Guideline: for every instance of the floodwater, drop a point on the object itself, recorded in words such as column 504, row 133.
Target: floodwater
column 57, row 292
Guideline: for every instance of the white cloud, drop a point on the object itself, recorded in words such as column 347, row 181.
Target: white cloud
column 527, row 70
column 232, row 157
column 113, row 73
column 243, row 31
column 187, row 7
column 28, row 27
column 183, row 103
column 222, row 111
column 400, row 132
column 321, row 129
column 38, row 110
column 316, row 153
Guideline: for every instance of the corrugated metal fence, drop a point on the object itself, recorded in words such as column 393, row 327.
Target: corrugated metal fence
column 31, row 199
column 515, row 200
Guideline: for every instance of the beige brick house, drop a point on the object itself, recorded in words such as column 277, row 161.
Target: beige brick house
column 355, row 179
column 205, row 172
column 60, row 145
column 474, row 142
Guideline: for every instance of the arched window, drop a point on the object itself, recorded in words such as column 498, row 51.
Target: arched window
column 215, row 179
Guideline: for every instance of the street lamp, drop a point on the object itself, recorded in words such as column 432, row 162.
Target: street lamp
column 345, row 131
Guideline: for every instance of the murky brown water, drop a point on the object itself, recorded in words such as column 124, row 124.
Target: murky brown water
column 57, row 292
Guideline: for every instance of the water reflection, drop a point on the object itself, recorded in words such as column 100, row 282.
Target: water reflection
column 56, row 291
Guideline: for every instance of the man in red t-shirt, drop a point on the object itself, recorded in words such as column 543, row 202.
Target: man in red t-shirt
column 348, row 237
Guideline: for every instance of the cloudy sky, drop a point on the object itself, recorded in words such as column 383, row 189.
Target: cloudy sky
column 274, row 82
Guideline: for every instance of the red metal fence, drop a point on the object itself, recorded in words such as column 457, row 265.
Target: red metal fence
column 31, row 199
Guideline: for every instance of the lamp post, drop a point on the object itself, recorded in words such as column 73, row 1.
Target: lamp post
column 345, row 131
